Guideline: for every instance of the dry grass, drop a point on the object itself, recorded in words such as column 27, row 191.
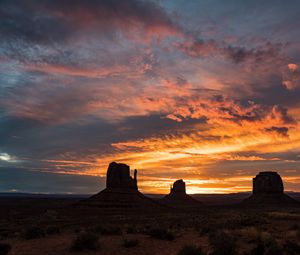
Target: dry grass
column 284, row 215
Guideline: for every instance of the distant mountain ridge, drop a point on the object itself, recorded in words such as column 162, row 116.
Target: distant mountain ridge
column 208, row 199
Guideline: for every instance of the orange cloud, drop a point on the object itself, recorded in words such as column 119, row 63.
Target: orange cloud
column 76, row 71
column 291, row 76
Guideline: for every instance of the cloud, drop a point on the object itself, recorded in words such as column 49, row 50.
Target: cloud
column 111, row 99
column 291, row 77
column 236, row 54
column 25, row 180
column 283, row 131
column 178, row 90
column 49, row 34
column 52, row 21
column 224, row 110
column 6, row 157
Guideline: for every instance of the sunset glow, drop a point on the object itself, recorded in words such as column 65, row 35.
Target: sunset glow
column 193, row 90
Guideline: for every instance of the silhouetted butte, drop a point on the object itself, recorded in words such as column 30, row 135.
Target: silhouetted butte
column 121, row 191
column 178, row 197
column 118, row 177
column 268, row 190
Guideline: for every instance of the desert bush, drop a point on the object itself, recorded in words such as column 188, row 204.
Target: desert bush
column 222, row 243
column 251, row 220
column 108, row 230
column 294, row 226
column 161, row 233
column 128, row 243
column 284, row 215
column 52, row 230
column 291, row 248
column 250, row 233
column 292, row 234
column 204, row 230
column 190, row 250
column 131, row 230
column 272, row 248
column 85, row 241
column 259, row 248
column 34, row 232
column 267, row 246
column 4, row 248
column 77, row 230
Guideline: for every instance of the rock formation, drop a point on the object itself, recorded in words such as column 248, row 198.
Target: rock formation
column 178, row 188
column 267, row 183
column 121, row 192
column 118, row 176
column 178, row 197
column 268, row 190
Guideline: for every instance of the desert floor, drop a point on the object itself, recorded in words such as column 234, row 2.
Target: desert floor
column 56, row 226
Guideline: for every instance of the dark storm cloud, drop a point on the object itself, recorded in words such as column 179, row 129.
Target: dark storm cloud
column 91, row 136
column 283, row 131
column 237, row 54
column 45, row 103
column 278, row 95
column 27, row 21
column 50, row 21
column 32, row 25
column 282, row 113
column 31, row 144
column 241, row 54
column 50, row 32
column 32, row 139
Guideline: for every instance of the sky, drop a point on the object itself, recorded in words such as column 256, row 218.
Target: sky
column 206, row 91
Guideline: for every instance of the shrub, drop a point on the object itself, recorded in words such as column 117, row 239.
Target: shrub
column 85, row 241
column 128, row 243
column 190, row 250
column 272, row 248
column 52, row 230
column 222, row 244
column 291, row 248
column 204, row 230
column 4, row 248
column 252, row 234
column 259, row 248
column 163, row 234
column 294, row 226
column 34, row 232
column 251, row 220
column 131, row 230
column 108, row 230
column 266, row 247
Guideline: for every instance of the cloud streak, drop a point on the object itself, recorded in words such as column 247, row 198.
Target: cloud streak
column 236, row 54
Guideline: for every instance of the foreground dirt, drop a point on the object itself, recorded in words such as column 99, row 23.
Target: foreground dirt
column 239, row 226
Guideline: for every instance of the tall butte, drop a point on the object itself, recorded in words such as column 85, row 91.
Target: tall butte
column 118, row 177
column 121, row 191
column 178, row 197
column 268, row 190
